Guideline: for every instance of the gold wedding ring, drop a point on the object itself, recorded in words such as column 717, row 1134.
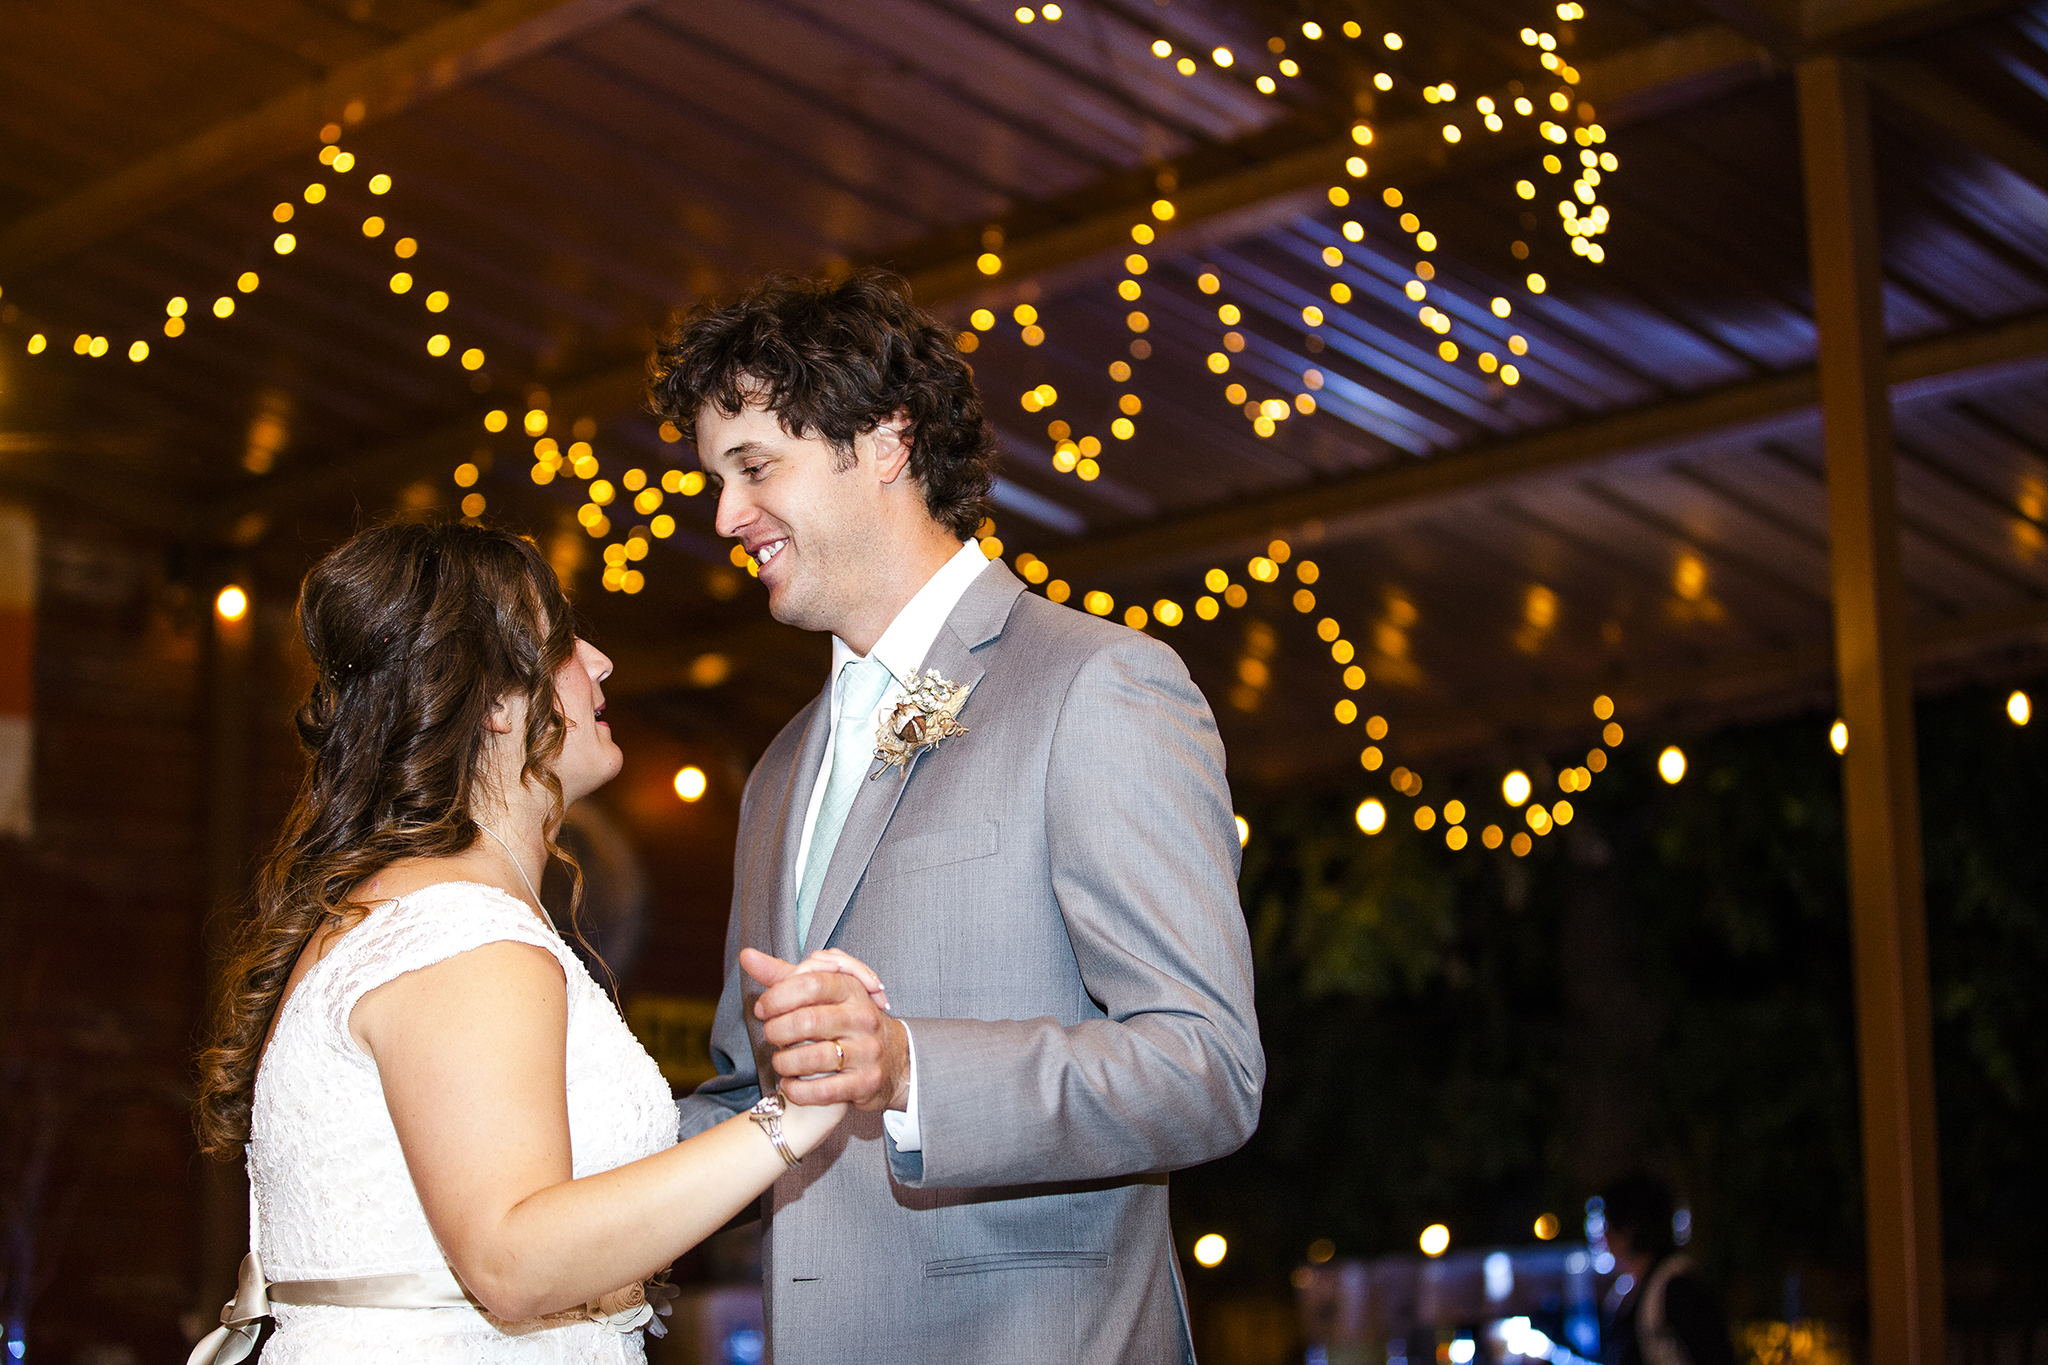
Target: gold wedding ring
column 842, row 1055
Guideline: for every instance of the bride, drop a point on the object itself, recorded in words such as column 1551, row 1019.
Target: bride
column 456, row 1150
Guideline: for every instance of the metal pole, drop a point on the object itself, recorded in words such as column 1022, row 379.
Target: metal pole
column 1880, row 787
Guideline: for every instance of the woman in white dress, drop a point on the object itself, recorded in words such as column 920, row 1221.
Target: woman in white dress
column 456, row 1150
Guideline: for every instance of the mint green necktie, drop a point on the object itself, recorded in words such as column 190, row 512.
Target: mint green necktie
column 861, row 685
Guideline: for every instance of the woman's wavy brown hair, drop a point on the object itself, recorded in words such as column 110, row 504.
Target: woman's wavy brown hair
column 415, row 630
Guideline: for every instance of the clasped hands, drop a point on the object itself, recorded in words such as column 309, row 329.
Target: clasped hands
column 825, row 1017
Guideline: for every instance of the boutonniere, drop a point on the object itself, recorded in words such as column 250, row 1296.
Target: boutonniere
column 918, row 722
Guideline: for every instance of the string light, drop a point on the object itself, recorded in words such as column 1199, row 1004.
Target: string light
column 283, row 244
column 1671, row 764
column 1076, row 456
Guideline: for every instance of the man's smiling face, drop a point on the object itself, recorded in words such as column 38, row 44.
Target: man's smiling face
column 808, row 515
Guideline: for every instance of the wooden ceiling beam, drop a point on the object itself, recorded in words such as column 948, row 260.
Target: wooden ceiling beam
column 619, row 390
column 1937, row 107
column 1843, row 24
column 1687, row 699
column 1250, row 522
column 1642, row 78
column 450, row 53
column 1793, row 28
column 41, row 468
column 1223, row 193
column 1770, row 23
column 1218, row 189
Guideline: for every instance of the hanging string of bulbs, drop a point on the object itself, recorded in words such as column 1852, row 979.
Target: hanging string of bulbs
column 1081, row 456
column 1583, row 219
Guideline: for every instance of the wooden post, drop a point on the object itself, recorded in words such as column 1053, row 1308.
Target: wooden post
column 1902, row 1196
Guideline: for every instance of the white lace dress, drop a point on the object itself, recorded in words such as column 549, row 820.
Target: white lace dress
column 332, row 1196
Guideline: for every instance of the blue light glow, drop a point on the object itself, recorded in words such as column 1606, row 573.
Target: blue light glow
column 1500, row 1276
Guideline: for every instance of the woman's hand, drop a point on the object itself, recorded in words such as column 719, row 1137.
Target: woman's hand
column 833, row 1037
column 811, row 1122
column 833, row 960
column 804, row 1126
column 768, row 970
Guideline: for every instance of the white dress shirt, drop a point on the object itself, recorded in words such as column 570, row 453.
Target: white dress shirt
column 902, row 651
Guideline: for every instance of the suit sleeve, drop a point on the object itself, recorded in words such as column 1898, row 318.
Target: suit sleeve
column 1144, row 855
column 736, row 1086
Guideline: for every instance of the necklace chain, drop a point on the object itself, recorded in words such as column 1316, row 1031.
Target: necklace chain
column 516, row 867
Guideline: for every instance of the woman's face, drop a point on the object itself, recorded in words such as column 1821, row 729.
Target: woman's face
column 589, row 758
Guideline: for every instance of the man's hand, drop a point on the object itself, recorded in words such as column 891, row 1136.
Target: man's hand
column 810, row 1008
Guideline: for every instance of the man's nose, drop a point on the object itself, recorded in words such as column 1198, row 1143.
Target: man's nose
column 734, row 512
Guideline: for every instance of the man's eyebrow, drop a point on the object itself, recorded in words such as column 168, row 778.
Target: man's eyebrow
column 743, row 448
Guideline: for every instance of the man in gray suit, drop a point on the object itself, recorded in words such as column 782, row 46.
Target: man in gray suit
column 1046, row 881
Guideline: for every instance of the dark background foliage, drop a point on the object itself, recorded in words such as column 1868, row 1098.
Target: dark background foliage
column 1474, row 1039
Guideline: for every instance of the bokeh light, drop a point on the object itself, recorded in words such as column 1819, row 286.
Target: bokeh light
column 1371, row 815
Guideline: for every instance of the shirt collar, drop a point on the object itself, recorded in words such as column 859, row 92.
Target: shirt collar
column 909, row 638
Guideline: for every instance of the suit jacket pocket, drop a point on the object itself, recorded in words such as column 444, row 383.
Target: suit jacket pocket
column 919, row 852
column 1016, row 1260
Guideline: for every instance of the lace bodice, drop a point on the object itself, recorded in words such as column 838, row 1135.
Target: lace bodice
column 329, row 1183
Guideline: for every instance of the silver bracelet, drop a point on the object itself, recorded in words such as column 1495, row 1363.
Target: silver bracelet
column 767, row 1112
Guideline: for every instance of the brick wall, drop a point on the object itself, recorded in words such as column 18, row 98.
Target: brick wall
column 99, row 916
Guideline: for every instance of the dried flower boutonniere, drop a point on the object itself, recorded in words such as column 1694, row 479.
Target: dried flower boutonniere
column 918, row 722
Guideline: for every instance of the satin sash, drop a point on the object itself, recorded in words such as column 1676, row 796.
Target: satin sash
column 419, row 1289
column 242, row 1319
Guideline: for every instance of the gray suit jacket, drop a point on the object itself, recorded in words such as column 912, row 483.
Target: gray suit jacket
column 1052, row 901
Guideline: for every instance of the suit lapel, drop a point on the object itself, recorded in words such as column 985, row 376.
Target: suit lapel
column 788, row 829
column 977, row 619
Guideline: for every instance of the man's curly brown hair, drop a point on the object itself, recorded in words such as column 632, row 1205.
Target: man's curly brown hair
column 836, row 359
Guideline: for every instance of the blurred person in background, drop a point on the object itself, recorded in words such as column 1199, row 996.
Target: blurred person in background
column 1666, row 1314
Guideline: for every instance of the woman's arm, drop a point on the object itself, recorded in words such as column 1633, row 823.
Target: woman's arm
column 471, row 1054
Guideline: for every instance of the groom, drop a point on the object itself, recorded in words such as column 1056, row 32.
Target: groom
column 1049, row 893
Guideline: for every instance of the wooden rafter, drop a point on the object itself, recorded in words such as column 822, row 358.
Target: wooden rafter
column 458, row 49
column 1251, row 183
column 1217, row 190
column 1936, row 106
column 1751, row 683
column 1251, row 521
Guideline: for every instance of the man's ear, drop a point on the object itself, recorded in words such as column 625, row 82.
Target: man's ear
column 893, row 439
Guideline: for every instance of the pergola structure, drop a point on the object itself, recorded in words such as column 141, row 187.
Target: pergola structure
column 1654, row 435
